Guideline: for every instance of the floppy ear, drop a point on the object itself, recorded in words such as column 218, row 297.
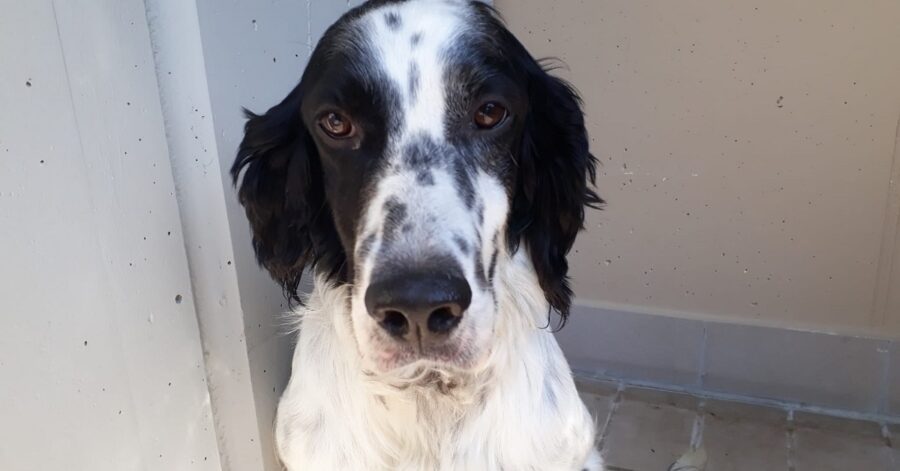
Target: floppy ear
column 283, row 195
column 555, row 180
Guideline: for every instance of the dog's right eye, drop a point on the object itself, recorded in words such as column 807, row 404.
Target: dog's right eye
column 490, row 115
column 337, row 126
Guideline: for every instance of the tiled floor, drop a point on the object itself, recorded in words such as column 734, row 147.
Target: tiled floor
column 646, row 430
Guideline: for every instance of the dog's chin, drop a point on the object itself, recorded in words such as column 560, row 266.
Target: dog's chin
column 401, row 361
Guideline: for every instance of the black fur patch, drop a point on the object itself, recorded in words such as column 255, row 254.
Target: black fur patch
column 464, row 184
column 461, row 243
column 421, row 154
column 479, row 268
column 415, row 77
column 493, row 268
column 415, row 40
column 394, row 217
column 393, row 21
column 425, row 178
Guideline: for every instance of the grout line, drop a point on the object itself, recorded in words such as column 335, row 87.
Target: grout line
column 613, row 408
column 699, row 426
column 889, row 440
column 740, row 398
column 791, row 440
column 886, row 435
column 885, row 386
column 600, row 429
column 701, row 362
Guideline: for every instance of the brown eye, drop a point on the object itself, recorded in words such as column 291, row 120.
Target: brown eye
column 337, row 126
column 490, row 115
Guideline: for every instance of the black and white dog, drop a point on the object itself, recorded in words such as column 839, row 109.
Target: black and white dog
column 434, row 176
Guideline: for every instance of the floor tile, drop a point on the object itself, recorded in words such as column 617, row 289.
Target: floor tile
column 895, row 450
column 741, row 437
column 598, row 396
column 599, row 407
column 649, row 430
column 828, row 444
column 598, row 387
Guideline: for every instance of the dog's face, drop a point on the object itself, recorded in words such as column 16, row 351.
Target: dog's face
column 421, row 148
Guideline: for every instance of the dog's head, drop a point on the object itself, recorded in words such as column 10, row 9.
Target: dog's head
column 423, row 147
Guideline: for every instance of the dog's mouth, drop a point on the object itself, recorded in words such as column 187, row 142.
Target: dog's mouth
column 392, row 355
column 423, row 375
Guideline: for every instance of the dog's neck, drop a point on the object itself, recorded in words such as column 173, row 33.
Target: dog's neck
column 417, row 421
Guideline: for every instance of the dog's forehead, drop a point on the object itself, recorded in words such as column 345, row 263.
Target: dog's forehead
column 412, row 43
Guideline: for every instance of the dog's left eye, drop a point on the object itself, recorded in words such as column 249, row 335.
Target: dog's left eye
column 337, row 126
column 490, row 115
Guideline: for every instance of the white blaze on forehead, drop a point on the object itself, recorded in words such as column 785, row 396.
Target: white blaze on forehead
column 409, row 43
column 410, row 40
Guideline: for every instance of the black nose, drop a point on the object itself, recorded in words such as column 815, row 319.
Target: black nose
column 420, row 307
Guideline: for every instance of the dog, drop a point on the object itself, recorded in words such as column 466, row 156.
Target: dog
column 433, row 176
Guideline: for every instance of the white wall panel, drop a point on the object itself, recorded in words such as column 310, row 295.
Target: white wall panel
column 100, row 362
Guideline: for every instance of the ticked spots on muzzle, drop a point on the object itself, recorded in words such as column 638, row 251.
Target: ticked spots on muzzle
column 421, row 153
column 427, row 204
column 415, row 77
column 421, row 156
column 395, row 215
column 462, row 172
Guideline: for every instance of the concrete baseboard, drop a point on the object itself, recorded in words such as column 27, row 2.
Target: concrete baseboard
column 843, row 375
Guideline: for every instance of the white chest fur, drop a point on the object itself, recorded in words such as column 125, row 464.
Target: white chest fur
column 520, row 411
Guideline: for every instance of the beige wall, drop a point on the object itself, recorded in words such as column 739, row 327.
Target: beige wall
column 747, row 153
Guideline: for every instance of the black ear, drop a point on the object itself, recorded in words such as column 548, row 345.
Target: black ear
column 283, row 195
column 554, row 184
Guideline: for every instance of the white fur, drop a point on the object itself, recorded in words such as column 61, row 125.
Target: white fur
column 335, row 415
column 438, row 22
